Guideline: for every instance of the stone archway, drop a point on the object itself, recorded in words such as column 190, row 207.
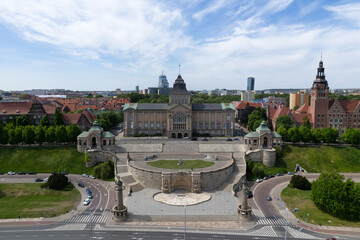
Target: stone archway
column 186, row 135
column 173, row 135
column 179, row 135
column 93, row 145
column 265, row 142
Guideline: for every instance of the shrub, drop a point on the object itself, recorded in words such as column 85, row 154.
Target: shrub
column 258, row 171
column 104, row 170
column 300, row 182
column 57, row 181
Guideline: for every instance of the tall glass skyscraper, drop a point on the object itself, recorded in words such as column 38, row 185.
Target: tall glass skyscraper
column 250, row 84
column 163, row 82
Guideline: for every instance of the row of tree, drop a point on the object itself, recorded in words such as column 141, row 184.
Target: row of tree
column 305, row 133
column 110, row 119
column 338, row 197
column 28, row 134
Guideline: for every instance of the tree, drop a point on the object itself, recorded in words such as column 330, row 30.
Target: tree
column 300, row 182
column 60, row 133
column 296, row 107
column 58, row 120
column 40, row 134
column 44, row 121
column 338, row 197
column 284, row 133
column 72, row 132
column 294, row 134
column 258, row 171
column 109, row 120
column 15, row 135
column 256, row 117
column 317, row 135
column 284, row 121
column 28, row 134
column 351, row 136
column 50, row 135
column 330, row 135
column 244, row 116
column 305, row 134
column 306, row 122
column 57, row 181
column 104, row 170
column 3, row 135
column 22, row 120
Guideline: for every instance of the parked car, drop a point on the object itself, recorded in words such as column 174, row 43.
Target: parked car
column 268, row 198
column 259, row 180
column 46, row 179
column 205, row 140
column 290, row 173
column 185, row 138
column 229, row 139
column 81, row 184
column 1, row 173
column 92, row 177
column 32, row 173
column 266, row 178
column 53, row 173
column 86, row 202
column 279, row 174
column 85, row 175
column 38, row 180
column 11, row 173
column 21, row 173
column 271, row 176
column 194, row 139
column 88, row 191
column 236, row 139
column 90, row 196
column 64, row 173
column 249, row 194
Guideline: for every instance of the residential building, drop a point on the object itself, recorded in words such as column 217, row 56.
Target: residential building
column 298, row 99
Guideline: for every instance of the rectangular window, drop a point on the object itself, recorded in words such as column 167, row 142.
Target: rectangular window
column 206, row 125
column 212, row 125
column 200, row 125
column 218, row 125
column 164, row 125
column 140, row 124
column 158, row 125
column 146, row 125
column 194, row 125
column 151, row 125
column 104, row 142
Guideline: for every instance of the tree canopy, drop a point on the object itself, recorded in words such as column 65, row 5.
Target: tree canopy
column 284, row 121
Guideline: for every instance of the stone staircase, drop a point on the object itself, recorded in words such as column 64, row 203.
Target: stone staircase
column 125, row 176
column 236, row 177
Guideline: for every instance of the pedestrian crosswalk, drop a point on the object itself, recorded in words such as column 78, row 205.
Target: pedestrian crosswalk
column 274, row 221
column 298, row 234
column 87, row 218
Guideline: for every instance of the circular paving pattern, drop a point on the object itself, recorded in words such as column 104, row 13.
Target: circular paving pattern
column 182, row 197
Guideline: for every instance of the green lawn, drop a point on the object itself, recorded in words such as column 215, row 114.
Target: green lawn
column 187, row 164
column 320, row 159
column 42, row 159
column 295, row 198
column 29, row 200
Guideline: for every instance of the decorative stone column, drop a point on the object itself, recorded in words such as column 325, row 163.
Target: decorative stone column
column 196, row 183
column 244, row 210
column 119, row 211
column 166, row 188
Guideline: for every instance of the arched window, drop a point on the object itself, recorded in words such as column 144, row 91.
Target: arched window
column 179, row 117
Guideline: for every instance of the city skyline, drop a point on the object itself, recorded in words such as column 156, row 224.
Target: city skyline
column 84, row 45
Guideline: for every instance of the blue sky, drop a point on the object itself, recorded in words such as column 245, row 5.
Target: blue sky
column 109, row 44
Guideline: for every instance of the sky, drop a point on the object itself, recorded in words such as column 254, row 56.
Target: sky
column 109, row 44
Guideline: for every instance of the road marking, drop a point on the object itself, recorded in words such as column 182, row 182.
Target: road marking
column 256, row 203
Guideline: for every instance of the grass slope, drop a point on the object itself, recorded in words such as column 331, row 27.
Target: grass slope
column 29, row 200
column 42, row 159
column 295, row 198
column 320, row 159
column 187, row 164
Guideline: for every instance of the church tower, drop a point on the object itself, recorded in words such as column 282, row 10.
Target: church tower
column 320, row 99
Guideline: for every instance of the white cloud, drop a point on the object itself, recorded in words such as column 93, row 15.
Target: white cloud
column 348, row 12
column 140, row 29
column 214, row 7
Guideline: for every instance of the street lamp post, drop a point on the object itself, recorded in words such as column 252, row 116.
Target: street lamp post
column 287, row 223
column 185, row 222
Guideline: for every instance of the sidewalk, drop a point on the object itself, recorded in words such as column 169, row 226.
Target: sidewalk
column 275, row 192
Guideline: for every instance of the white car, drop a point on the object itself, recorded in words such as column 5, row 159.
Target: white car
column 92, row 177
column 259, row 180
column 86, row 202
column 85, row 175
column 46, row 179
column 11, row 173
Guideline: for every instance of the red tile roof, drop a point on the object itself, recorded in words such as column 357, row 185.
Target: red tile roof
column 349, row 105
column 15, row 108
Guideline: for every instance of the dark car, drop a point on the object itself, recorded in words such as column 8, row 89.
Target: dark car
column 21, row 173
column 249, row 194
column 32, row 173
column 279, row 174
column 268, row 198
column 88, row 191
column 229, row 139
column 81, row 184
column 193, row 139
column 1, row 173
column 205, row 139
column 266, row 178
column 54, row 173
column 38, row 180
column 64, row 173
column 271, row 176
column 290, row 173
